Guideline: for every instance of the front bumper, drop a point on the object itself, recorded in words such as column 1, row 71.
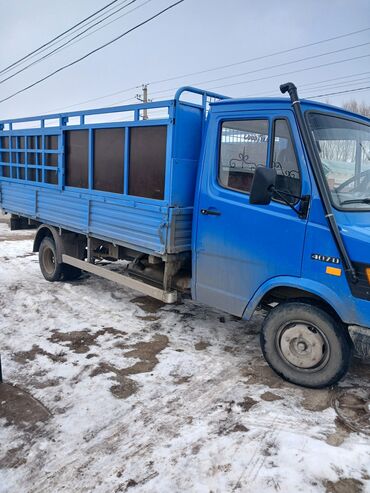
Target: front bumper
column 361, row 340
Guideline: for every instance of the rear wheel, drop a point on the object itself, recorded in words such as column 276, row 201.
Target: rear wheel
column 305, row 345
column 51, row 269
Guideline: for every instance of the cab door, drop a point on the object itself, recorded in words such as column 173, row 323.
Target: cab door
column 239, row 246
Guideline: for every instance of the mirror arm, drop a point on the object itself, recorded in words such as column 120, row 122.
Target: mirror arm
column 300, row 213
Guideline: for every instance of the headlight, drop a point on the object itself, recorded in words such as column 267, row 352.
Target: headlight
column 367, row 271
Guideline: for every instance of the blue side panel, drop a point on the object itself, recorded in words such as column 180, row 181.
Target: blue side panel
column 131, row 225
column 16, row 198
column 180, row 231
column 62, row 208
column 186, row 149
column 139, row 227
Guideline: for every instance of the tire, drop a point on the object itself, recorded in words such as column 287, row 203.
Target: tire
column 305, row 345
column 50, row 268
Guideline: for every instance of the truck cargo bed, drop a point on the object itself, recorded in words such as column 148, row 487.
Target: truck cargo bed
column 129, row 181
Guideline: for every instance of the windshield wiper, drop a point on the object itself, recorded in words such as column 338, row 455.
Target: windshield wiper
column 356, row 201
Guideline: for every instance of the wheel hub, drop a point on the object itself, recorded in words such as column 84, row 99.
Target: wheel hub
column 303, row 345
column 49, row 261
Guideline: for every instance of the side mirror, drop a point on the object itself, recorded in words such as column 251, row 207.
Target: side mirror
column 262, row 186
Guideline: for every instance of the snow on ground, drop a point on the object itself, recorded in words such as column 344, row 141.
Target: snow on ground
column 109, row 391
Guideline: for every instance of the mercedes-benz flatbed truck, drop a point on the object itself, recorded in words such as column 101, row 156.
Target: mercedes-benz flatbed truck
column 241, row 204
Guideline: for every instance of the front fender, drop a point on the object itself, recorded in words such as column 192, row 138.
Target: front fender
column 345, row 308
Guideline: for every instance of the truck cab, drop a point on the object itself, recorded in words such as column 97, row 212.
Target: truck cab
column 282, row 255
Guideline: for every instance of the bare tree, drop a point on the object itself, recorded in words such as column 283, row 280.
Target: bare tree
column 356, row 107
column 344, row 150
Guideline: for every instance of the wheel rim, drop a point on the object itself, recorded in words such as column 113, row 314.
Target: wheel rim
column 303, row 346
column 49, row 260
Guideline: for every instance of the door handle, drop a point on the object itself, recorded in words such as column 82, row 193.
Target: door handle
column 210, row 212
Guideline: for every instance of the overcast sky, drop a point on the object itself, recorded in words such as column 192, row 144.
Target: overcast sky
column 194, row 36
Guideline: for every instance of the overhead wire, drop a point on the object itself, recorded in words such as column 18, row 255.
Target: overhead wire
column 164, row 92
column 262, row 57
column 316, row 86
column 105, row 25
column 68, row 42
column 240, row 62
column 59, row 36
column 335, row 93
column 60, row 69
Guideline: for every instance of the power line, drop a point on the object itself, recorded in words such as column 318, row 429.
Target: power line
column 287, row 63
column 169, row 91
column 66, row 43
column 221, row 67
column 340, row 92
column 97, row 98
column 59, row 35
column 93, row 51
column 53, row 43
column 104, row 26
column 291, row 72
column 282, row 52
column 316, row 86
column 274, row 66
column 335, row 78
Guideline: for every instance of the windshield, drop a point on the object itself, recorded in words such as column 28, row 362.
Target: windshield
column 344, row 148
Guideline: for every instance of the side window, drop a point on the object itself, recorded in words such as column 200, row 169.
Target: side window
column 243, row 149
column 285, row 161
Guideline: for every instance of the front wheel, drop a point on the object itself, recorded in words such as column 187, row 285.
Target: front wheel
column 305, row 345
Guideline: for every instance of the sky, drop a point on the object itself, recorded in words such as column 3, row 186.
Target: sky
column 196, row 35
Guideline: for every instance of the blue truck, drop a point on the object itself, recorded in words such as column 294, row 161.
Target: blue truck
column 241, row 204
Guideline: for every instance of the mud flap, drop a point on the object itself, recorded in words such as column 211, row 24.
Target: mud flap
column 361, row 340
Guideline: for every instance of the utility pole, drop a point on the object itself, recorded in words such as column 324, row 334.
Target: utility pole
column 144, row 98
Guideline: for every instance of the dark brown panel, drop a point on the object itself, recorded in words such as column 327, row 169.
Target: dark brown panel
column 31, row 174
column 34, row 158
column 109, row 146
column 4, row 143
column 147, row 161
column 32, row 142
column 51, row 159
column 51, row 176
column 31, row 158
column 6, row 171
column 21, row 158
column 21, row 142
column 76, row 162
column 51, row 142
